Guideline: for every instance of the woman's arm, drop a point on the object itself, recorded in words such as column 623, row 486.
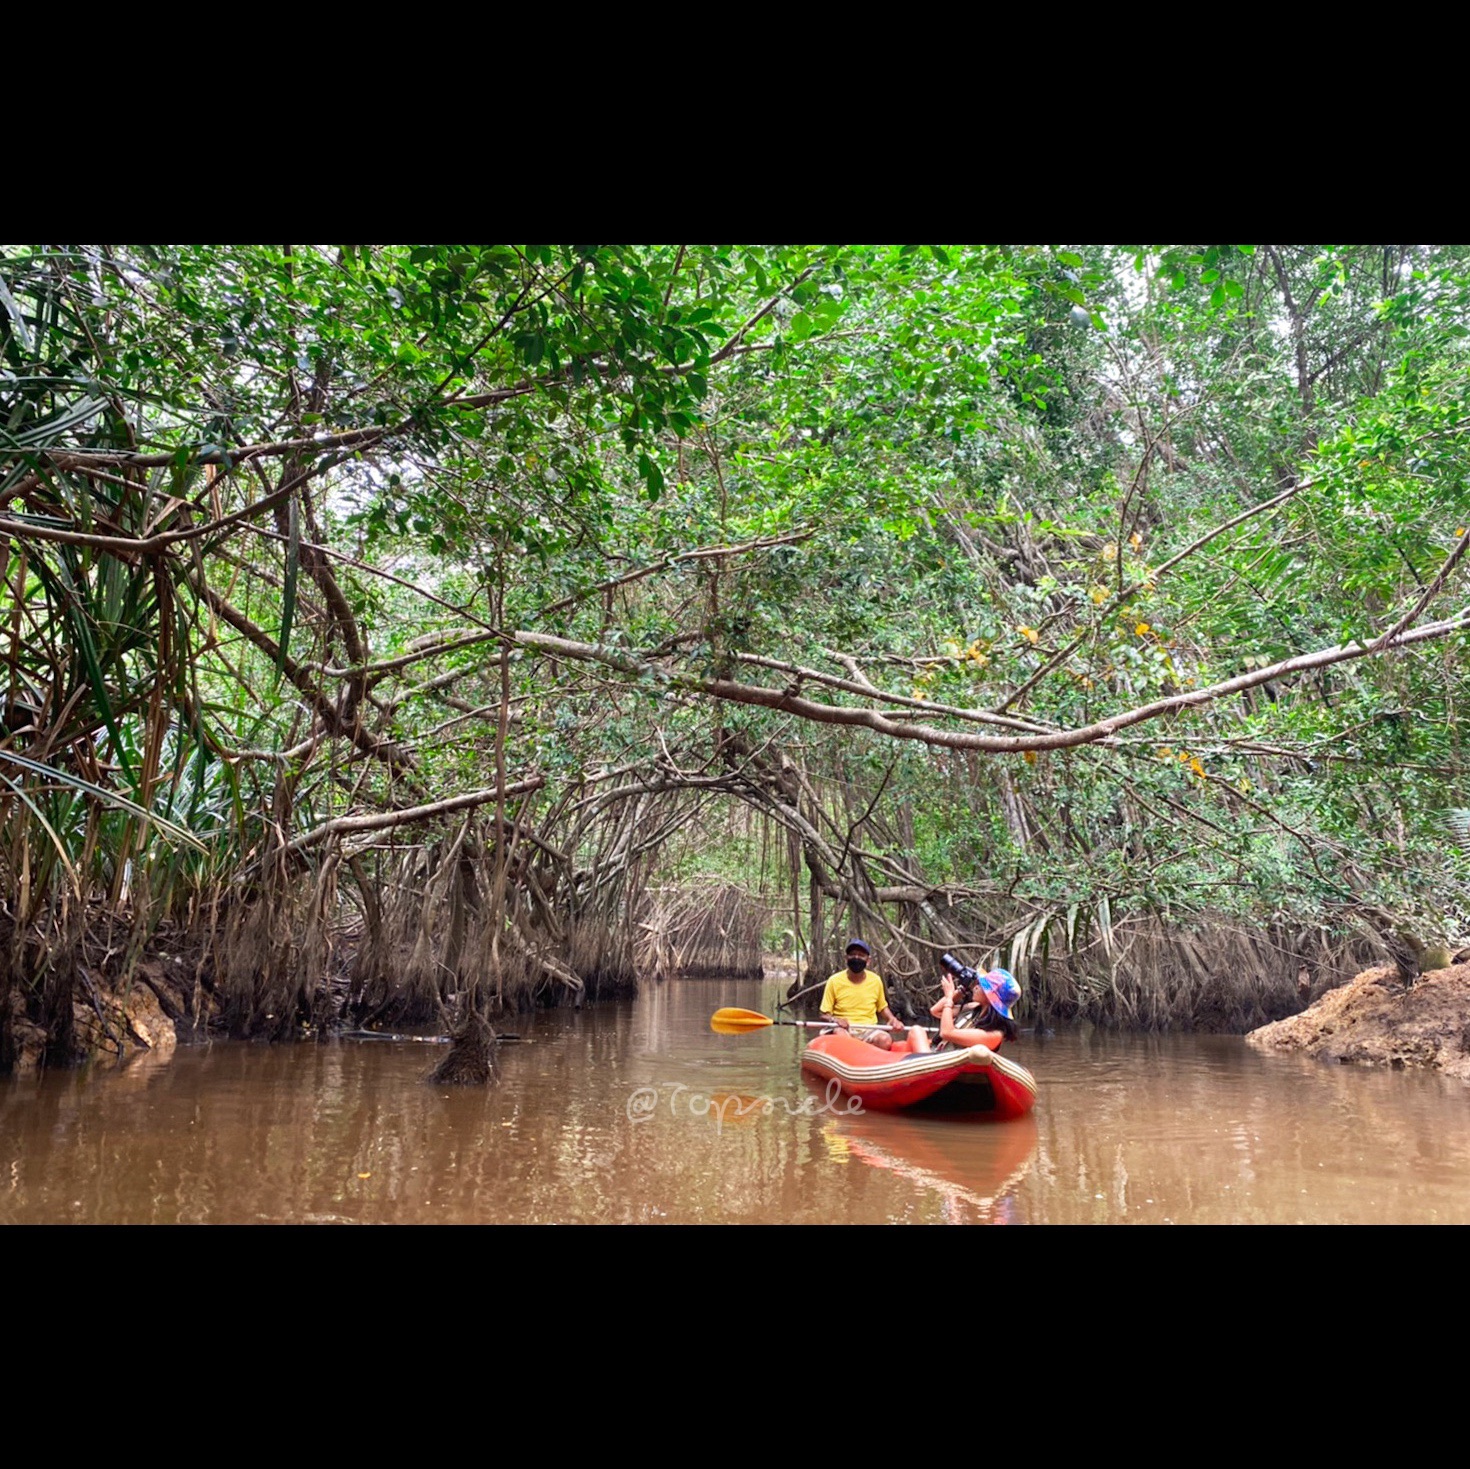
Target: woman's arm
column 947, row 985
column 970, row 1037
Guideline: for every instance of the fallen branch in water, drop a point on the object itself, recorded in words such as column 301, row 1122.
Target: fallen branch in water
column 425, row 1040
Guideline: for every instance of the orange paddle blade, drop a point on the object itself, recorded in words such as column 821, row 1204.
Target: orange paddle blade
column 736, row 1022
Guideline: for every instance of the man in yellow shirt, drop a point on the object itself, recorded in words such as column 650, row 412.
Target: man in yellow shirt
column 855, row 996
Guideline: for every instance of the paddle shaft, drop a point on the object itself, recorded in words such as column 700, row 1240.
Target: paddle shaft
column 732, row 1020
column 827, row 1025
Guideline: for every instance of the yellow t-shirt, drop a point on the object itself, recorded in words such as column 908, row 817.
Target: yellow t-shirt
column 858, row 1003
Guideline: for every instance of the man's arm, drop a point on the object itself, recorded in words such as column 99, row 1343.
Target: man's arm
column 885, row 1010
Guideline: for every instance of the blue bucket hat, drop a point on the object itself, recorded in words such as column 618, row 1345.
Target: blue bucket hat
column 1000, row 988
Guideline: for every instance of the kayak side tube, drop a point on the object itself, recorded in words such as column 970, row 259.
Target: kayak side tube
column 968, row 1079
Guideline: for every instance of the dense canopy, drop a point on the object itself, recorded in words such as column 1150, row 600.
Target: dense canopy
column 389, row 628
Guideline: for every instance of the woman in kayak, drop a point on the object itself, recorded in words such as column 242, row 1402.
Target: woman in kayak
column 986, row 1013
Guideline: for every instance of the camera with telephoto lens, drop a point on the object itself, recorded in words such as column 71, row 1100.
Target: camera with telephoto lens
column 965, row 978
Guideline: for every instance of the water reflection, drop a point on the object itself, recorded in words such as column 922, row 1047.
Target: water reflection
column 637, row 1113
column 972, row 1169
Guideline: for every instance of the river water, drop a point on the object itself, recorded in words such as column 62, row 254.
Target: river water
column 638, row 1114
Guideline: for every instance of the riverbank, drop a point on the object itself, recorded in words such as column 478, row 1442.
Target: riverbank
column 1375, row 1020
column 1371, row 1020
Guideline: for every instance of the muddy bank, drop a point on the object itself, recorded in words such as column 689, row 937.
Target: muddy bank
column 1375, row 1020
column 169, row 1000
column 161, row 1005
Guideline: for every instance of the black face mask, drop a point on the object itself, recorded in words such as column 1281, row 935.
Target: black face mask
column 857, row 965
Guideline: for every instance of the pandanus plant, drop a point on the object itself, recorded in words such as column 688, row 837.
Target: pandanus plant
column 94, row 636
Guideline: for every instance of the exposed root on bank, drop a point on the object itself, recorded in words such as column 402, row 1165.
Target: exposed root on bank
column 703, row 930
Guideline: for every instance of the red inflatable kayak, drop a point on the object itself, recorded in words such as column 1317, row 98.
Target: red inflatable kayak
column 970, row 1079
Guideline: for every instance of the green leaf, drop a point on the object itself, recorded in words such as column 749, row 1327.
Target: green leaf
column 652, row 476
column 80, row 623
column 110, row 798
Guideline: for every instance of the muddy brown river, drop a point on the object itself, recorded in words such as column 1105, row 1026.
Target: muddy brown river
column 639, row 1114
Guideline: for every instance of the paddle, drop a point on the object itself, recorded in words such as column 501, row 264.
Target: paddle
column 736, row 1022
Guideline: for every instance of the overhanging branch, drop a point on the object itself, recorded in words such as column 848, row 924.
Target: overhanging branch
column 788, row 701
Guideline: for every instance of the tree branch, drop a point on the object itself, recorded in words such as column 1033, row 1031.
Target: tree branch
column 789, row 702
